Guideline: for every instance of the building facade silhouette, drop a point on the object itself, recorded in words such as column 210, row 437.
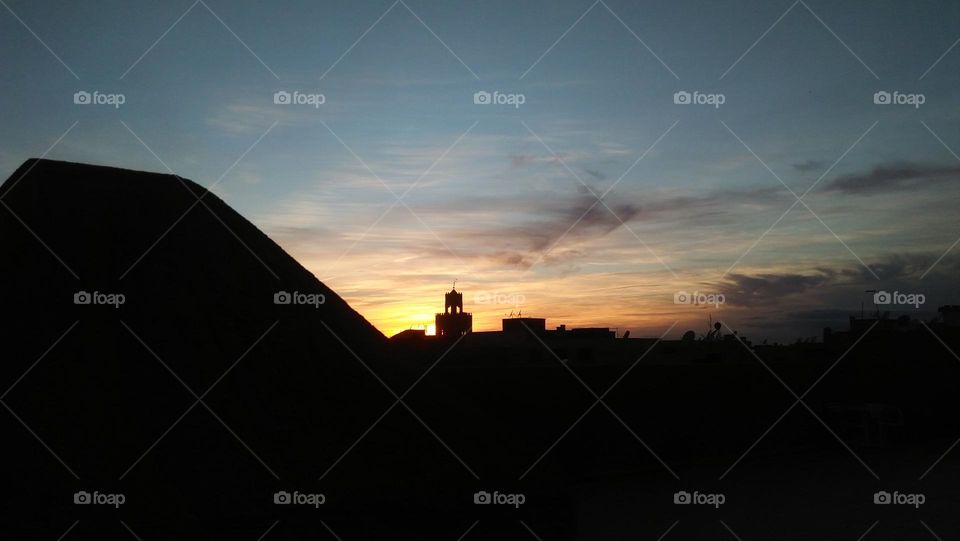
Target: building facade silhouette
column 453, row 321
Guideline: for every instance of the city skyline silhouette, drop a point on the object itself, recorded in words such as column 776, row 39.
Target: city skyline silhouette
column 574, row 270
column 620, row 179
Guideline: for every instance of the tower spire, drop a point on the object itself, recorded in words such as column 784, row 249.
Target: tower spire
column 453, row 321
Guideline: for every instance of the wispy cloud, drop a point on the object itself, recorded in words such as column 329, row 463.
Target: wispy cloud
column 810, row 165
column 898, row 176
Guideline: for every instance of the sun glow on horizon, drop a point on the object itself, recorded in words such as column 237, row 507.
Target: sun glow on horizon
column 643, row 315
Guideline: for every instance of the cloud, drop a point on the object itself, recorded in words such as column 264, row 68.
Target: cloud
column 894, row 176
column 575, row 219
column 767, row 289
column 837, row 286
column 809, row 165
column 597, row 175
column 556, row 228
column 589, row 214
column 521, row 160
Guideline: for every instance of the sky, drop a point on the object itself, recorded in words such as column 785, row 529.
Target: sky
column 634, row 165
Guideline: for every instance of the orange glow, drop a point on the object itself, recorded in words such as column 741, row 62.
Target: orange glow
column 643, row 313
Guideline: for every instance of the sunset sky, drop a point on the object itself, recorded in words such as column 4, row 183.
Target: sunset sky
column 504, row 198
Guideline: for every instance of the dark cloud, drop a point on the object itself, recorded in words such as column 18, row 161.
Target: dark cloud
column 907, row 266
column 794, row 305
column 843, row 286
column 810, row 165
column 544, row 230
column 592, row 214
column 894, row 176
column 709, row 208
column 575, row 218
column 597, row 175
column 767, row 289
column 556, row 223
column 511, row 259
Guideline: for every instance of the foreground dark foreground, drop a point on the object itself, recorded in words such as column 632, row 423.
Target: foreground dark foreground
column 205, row 406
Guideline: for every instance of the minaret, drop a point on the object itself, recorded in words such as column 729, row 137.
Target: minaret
column 453, row 321
column 453, row 302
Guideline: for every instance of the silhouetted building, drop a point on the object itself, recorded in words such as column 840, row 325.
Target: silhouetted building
column 524, row 324
column 950, row 315
column 453, row 321
column 410, row 336
column 596, row 333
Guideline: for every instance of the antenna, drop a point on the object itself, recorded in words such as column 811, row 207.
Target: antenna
column 454, row 283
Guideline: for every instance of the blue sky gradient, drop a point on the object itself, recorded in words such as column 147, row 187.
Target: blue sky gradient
column 499, row 195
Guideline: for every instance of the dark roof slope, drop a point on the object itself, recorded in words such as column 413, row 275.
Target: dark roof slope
column 146, row 234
